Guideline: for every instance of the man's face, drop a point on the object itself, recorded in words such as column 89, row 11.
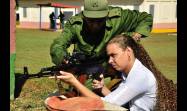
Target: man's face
column 94, row 25
column 118, row 57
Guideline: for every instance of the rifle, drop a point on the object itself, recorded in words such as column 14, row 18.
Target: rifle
column 74, row 65
column 77, row 65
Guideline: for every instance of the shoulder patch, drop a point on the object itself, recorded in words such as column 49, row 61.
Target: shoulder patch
column 75, row 19
column 114, row 12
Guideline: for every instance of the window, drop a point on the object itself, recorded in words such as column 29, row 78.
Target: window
column 68, row 14
column 136, row 7
column 56, row 12
column 176, row 12
column 24, row 12
column 151, row 10
column 17, row 16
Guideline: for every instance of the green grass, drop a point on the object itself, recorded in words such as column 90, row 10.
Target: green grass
column 32, row 50
column 163, row 50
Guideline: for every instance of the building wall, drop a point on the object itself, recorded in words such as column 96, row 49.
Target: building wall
column 33, row 14
column 164, row 14
column 30, row 17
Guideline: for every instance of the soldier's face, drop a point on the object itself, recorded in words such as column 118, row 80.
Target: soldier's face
column 94, row 25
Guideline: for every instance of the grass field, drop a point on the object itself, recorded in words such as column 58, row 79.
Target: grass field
column 32, row 50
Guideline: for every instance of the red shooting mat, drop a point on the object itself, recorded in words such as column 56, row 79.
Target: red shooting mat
column 56, row 103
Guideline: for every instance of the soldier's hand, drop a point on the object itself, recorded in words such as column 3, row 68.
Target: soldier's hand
column 65, row 61
column 136, row 36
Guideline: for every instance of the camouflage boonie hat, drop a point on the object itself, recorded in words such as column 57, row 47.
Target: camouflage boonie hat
column 95, row 8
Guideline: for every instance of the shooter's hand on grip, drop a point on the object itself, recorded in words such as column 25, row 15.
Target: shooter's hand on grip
column 98, row 82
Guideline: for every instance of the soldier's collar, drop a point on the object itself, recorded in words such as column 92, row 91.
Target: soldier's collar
column 108, row 24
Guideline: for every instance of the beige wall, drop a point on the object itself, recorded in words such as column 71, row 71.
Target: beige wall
column 164, row 11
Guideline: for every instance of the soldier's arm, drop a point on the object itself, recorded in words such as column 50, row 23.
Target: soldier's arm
column 58, row 49
column 144, row 23
column 138, row 22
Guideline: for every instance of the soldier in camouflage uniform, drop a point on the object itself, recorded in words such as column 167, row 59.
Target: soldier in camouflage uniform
column 92, row 28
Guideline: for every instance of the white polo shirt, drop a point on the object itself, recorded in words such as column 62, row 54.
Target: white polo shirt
column 139, row 87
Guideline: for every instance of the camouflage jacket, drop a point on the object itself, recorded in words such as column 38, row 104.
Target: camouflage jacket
column 119, row 21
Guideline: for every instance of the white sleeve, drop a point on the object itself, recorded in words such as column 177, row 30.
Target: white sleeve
column 126, row 91
column 120, row 96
